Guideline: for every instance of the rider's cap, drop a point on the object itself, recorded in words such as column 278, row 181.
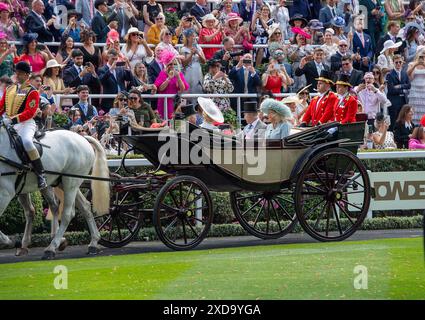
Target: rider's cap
column 23, row 66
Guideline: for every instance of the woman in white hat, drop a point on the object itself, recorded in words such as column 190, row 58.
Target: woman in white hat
column 211, row 33
column 385, row 59
column 279, row 116
column 293, row 103
column 136, row 48
column 210, row 113
column 52, row 78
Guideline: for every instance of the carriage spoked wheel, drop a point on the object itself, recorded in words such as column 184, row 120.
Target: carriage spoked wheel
column 183, row 213
column 124, row 220
column 266, row 215
column 332, row 195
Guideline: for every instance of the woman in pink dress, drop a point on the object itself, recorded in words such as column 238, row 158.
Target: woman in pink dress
column 170, row 81
column 36, row 58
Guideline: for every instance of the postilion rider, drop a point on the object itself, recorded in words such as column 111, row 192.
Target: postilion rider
column 18, row 107
column 321, row 108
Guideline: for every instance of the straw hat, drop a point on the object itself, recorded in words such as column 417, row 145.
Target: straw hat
column 389, row 44
column 344, row 80
column 130, row 31
column 325, row 76
column 233, row 16
column 51, row 64
column 209, row 17
column 304, row 89
column 291, row 99
column 276, row 106
column 211, row 109
column 273, row 28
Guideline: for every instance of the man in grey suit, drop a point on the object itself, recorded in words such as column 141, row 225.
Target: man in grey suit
column 87, row 10
column 255, row 128
column 328, row 12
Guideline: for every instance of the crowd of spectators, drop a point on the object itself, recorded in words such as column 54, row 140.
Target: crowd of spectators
column 152, row 48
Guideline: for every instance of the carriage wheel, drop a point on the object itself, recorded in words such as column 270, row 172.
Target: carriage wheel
column 266, row 215
column 332, row 195
column 183, row 213
column 124, row 220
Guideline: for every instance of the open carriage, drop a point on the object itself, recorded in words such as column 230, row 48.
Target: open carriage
column 312, row 177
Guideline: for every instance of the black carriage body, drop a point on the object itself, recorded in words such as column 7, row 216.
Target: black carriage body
column 218, row 178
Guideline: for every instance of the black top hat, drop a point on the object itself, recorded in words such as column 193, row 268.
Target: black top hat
column 300, row 18
column 23, row 66
column 250, row 106
column 344, row 79
column 97, row 3
column 325, row 76
column 188, row 110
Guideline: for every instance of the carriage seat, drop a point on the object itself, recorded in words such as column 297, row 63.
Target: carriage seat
column 16, row 143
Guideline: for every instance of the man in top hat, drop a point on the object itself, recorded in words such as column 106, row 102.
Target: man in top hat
column 18, row 107
column 255, row 128
column 321, row 108
column 189, row 113
column 312, row 69
column 346, row 108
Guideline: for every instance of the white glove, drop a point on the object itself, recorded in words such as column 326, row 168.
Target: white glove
column 7, row 121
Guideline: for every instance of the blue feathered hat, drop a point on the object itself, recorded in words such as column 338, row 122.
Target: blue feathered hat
column 277, row 106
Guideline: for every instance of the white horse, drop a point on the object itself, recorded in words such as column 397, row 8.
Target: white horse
column 69, row 153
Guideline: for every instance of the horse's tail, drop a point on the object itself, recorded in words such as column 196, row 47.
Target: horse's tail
column 100, row 189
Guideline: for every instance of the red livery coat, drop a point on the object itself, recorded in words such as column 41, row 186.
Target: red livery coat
column 322, row 113
column 20, row 105
column 345, row 112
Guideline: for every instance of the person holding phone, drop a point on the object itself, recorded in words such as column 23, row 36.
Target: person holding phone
column 276, row 78
column 187, row 22
column 9, row 24
column 170, row 81
column 217, row 81
column 113, row 77
column 244, row 76
column 382, row 137
column 312, row 66
column 7, row 55
column 136, row 49
column 150, row 10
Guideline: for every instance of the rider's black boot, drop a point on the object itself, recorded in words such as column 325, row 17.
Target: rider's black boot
column 39, row 172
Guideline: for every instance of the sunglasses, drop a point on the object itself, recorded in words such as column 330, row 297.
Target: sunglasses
column 134, row 34
column 133, row 98
column 376, row 72
column 159, row 18
column 398, row 62
column 167, row 33
column 346, row 63
column 278, row 33
column 343, row 45
column 122, row 99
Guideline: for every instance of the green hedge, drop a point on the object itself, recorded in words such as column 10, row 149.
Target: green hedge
column 229, row 230
column 13, row 219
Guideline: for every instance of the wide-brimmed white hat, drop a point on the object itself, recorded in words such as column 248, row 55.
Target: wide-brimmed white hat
column 211, row 109
column 208, row 17
column 291, row 99
column 51, row 64
column 130, row 31
column 389, row 44
column 273, row 28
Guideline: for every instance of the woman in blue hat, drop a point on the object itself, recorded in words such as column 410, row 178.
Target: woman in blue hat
column 279, row 116
column 36, row 58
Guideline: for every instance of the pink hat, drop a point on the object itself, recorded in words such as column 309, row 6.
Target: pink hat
column 167, row 56
column 112, row 36
column 233, row 16
column 3, row 35
column 4, row 6
column 301, row 32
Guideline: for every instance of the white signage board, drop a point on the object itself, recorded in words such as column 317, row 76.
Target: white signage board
column 398, row 190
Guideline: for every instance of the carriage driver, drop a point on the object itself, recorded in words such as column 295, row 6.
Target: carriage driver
column 18, row 107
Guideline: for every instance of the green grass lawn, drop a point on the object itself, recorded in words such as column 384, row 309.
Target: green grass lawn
column 395, row 269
